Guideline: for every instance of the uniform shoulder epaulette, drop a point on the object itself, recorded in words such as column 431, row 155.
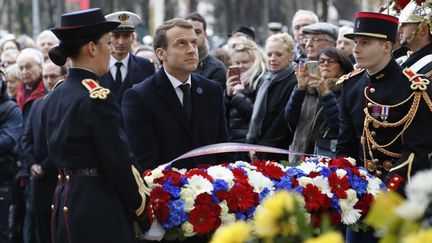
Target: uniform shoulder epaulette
column 347, row 76
column 96, row 91
column 418, row 81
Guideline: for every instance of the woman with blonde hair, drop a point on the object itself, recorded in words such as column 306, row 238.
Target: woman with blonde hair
column 267, row 125
column 241, row 88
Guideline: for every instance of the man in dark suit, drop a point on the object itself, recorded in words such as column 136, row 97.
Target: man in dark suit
column 126, row 69
column 175, row 110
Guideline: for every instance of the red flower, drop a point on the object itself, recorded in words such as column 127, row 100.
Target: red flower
column 204, row 218
column 343, row 163
column 158, row 205
column 315, row 200
column 338, row 186
column 241, row 198
column 294, row 182
column 335, row 217
column 203, row 198
column 169, row 174
column 269, row 169
column 222, row 195
column 240, row 175
column 364, row 203
column 158, row 194
column 200, row 172
column 314, row 174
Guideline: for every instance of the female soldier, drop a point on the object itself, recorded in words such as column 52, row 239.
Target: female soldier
column 99, row 189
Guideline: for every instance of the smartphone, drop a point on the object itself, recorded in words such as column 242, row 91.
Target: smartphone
column 234, row 71
column 312, row 67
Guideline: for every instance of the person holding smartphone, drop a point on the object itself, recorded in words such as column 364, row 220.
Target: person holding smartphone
column 316, row 86
column 242, row 81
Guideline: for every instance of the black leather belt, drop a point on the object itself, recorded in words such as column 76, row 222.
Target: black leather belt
column 81, row 171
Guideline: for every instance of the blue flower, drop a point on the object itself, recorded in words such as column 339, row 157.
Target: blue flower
column 358, row 184
column 325, row 171
column 173, row 190
column 298, row 189
column 177, row 214
column 250, row 212
column 183, row 180
column 240, row 215
column 219, row 185
column 263, row 194
column 335, row 204
column 284, row 183
column 295, row 172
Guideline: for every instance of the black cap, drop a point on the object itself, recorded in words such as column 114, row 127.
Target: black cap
column 245, row 30
column 89, row 22
column 376, row 25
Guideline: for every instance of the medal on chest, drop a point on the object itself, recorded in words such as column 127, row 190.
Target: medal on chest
column 380, row 111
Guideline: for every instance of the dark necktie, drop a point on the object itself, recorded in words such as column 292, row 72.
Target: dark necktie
column 118, row 78
column 187, row 105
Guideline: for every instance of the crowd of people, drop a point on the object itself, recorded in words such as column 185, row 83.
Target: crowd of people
column 85, row 111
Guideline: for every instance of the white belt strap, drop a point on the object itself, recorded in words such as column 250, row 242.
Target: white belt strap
column 421, row 63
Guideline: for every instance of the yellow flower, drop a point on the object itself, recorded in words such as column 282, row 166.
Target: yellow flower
column 383, row 209
column 419, row 237
column 330, row 237
column 274, row 218
column 237, row 232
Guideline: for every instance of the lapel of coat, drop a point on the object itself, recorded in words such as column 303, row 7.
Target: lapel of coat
column 197, row 95
column 166, row 91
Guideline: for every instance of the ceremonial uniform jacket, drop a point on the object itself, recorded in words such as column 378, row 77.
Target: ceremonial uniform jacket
column 99, row 190
column 398, row 147
column 426, row 65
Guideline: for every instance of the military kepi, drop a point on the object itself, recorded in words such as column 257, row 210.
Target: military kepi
column 128, row 21
column 376, row 25
column 84, row 23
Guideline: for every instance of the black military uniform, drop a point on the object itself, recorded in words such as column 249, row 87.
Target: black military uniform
column 415, row 57
column 385, row 117
column 99, row 191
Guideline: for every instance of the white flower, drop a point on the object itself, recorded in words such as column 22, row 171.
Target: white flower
column 224, row 207
column 341, row 173
column 243, row 164
column 188, row 196
column 419, row 195
column 419, row 189
column 349, row 215
column 259, row 181
column 222, row 173
column 187, row 229
column 411, row 210
column 351, row 160
column 304, row 181
column 322, row 183
column 199, row 185
column 374, row 186
column 307, row 167
column 155, row 174
column 228, row 218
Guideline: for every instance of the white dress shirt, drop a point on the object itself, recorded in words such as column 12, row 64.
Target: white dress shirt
column 123, row 68
column 176, row 85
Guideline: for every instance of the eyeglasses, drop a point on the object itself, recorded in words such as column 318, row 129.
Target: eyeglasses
column 323, row 61
column 50, row 76
column 314, row 39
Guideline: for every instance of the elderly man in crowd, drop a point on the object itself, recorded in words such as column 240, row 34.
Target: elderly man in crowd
column 45, row 41
column 301, row 19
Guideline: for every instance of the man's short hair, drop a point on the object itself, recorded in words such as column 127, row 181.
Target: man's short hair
column 160, row 40
column 197, row 17
column 47, row 33
column 305, row 12
column 34, row 53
